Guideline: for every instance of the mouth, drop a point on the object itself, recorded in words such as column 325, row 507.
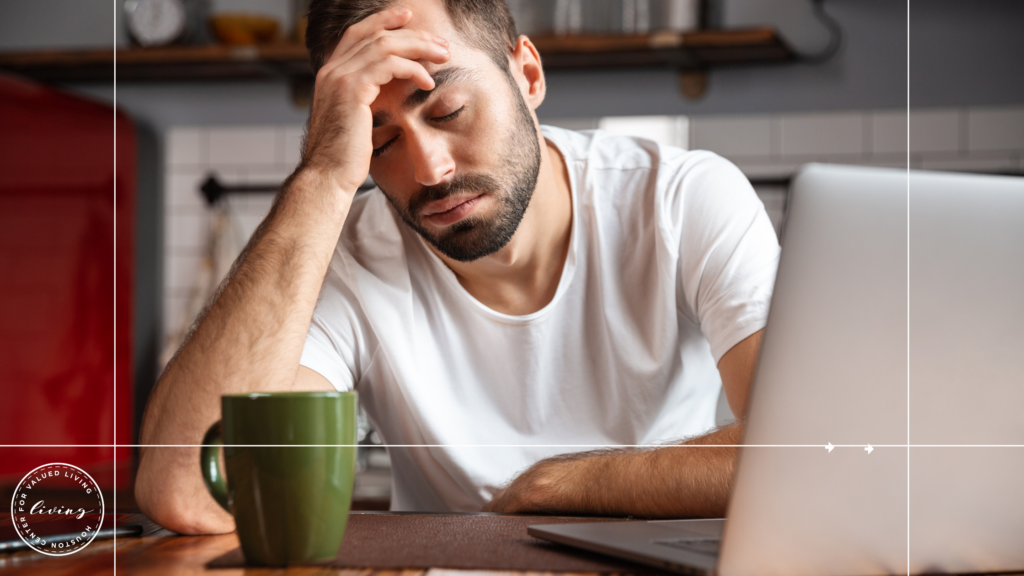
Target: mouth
column 450, row 210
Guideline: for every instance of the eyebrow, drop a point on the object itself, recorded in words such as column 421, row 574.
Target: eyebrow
column 443, row 76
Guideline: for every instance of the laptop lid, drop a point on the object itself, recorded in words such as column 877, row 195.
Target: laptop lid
column 834, row 371
column 966, row 372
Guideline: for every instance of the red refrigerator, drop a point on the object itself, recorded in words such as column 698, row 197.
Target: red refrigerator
column 66, row 288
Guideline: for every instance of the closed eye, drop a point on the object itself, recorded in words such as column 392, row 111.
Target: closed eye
column 384, row 147
column 440, row 120
column 449, row 117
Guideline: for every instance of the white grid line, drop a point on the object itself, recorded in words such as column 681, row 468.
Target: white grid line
column 908, row 286
column 114, row 468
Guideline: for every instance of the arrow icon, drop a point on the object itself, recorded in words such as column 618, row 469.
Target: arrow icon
column 830, row 447
column 869, row 449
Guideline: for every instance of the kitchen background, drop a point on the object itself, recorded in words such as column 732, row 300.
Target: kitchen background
column 966, row 95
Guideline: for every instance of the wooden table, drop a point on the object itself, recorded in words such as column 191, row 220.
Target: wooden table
column 160, row 551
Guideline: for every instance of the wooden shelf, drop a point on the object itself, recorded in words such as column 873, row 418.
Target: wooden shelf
column 171, row 64
column 683, row 52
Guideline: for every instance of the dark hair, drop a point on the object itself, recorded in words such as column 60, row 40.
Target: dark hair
column 486, row 24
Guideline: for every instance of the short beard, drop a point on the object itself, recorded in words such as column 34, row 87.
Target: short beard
column 476, row 237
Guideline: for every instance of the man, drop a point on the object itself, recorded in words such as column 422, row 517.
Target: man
column 509, row 291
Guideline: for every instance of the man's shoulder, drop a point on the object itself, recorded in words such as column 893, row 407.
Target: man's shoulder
column 601, row 150
column 610, row 167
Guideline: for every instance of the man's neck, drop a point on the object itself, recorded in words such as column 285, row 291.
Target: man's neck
column 523, row 277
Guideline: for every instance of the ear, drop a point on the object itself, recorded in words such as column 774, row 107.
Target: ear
column 528, row 72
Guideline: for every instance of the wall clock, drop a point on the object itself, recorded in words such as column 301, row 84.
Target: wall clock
column 155, row 22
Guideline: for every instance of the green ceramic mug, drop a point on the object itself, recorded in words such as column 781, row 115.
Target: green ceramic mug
column 290, row 504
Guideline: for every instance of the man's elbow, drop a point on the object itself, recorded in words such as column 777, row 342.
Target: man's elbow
column 169, row 504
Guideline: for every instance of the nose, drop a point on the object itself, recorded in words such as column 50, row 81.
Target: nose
column 432, row 163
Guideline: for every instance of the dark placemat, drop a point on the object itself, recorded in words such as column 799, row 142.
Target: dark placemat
column 484, row 542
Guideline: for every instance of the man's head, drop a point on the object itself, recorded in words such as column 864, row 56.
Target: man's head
column 486, row 25
column 459, row 163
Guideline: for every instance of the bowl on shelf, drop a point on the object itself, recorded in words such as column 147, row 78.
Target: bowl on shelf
column 243, row 29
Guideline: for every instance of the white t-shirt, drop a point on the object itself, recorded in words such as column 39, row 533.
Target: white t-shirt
column 671, row 263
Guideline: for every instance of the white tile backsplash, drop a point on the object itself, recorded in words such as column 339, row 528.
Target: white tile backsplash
column 996, row 129
column 230, row 174
column 765, row 168
column 292, row 142
column 1006, row 162
column 930, row 131
column 572, row 123
column 888, row 132
column 246, row 223
column 244, row 146
column 184, row 147
column 935, row 130
column 818, row 135
column 732, row 135
column 985, row 139
column 181, row 190
column 259, row 206
column 249, row 204
column 235, row 155
column 897, row 162
column 266, row 175
column 190, row 230
column 181, row 266
column 173, row 311
column 667, row 130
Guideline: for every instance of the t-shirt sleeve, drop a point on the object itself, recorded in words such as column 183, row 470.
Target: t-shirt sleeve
column 728, row 251
column 334, row 344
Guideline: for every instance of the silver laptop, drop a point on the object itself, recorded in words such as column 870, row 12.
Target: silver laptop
column 925, row 412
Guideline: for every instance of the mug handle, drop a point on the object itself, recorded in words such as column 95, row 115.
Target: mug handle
column 213, row 476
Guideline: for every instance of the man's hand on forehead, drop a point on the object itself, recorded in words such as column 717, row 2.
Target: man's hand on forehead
column 386, row 29
column 369, row 55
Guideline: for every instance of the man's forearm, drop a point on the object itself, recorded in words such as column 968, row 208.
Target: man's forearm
column 689, row 480
column 250, row 338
